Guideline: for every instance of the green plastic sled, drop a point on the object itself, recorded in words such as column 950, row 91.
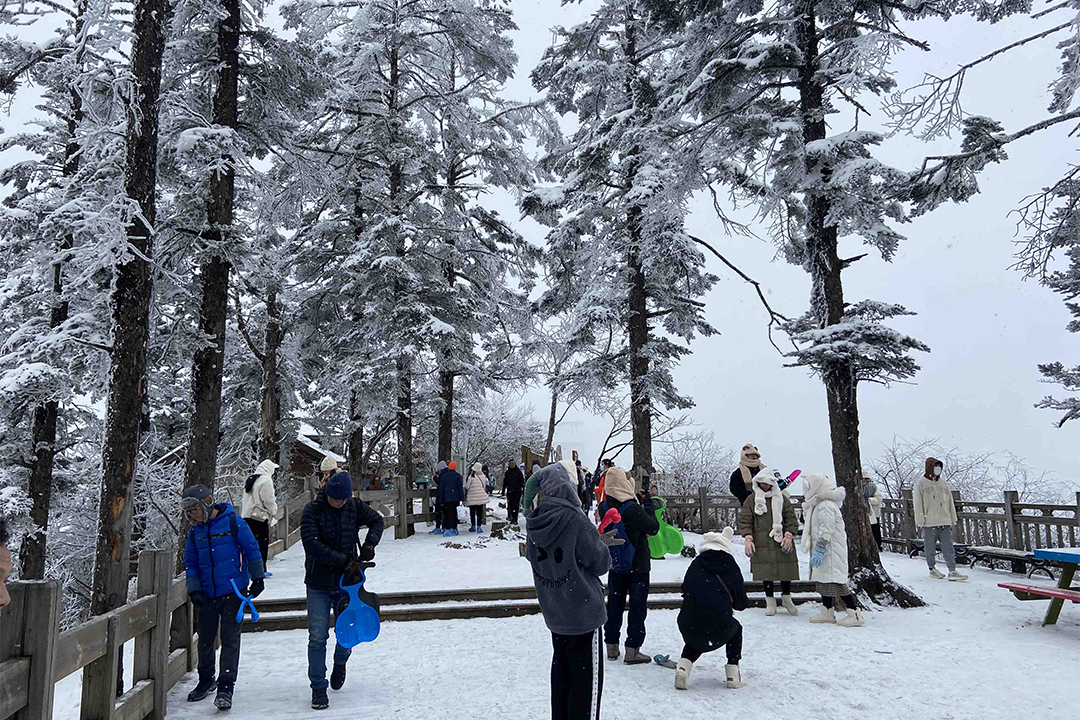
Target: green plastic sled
column 669, row 541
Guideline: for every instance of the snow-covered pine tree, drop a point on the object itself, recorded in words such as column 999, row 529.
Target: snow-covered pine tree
column 618, row 253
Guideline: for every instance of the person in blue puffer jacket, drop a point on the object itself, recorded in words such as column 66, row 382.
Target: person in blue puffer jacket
column 220, row 550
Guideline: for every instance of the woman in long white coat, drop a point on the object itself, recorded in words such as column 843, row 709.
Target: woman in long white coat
column 825, row 540
column 259, row 506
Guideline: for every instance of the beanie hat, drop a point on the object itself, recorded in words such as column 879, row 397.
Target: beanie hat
column 339, row 486
column 452, row 465
column 718, row 541
column 618, row 485
column 328, row 464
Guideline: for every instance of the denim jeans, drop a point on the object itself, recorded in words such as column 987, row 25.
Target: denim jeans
column 636, row 585
column 319, row 605
column 931, row 536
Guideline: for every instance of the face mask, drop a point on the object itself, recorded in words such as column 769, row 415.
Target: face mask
column 937, row 471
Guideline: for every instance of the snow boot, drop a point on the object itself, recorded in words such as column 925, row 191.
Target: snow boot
column 613, row 651
column 634, row 656
column 337, row 677
column 436, row 531
column 204, row 688
column 223, row 701
column 770, row 606
column 319, row 701
column 734, row 677
column 682, row 673
column 955, row 576
column 789, row 605
column 827, row 615
column 853, row 618
column 936, row 574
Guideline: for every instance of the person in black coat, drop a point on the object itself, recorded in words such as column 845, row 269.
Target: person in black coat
column 639, row 519
column 451, row 494
column 514, row 485
column 711, row 590
column 749, row 466
column 330, row 531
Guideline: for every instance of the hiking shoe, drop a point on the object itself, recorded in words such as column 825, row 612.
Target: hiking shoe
column 204, row 688
column 613, row 651
column 337, row 678
column 634, row 656
column 955, row 576
column 319, row 701
column 223, row 701
column 937, row 574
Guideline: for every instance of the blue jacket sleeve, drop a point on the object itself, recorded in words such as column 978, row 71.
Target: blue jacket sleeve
column 191, row 563
column 249, row 546
column 315, row 548
column 373, row 521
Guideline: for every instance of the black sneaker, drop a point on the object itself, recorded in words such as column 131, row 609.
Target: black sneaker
column 204, row 688
column 319, row 701
column 337, row 678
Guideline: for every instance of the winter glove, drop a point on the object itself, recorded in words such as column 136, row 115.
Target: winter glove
column 351, row 572
column 197, row 598
column 257, row 586
column 819, row 553
column 367, row 552
column 788, row 544
column 748, row 542
column 609, row 539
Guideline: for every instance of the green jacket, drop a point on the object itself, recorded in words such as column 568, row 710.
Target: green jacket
column 769, row 561
column 532, row 487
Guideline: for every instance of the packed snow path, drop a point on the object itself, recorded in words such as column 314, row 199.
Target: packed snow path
column 975, row 652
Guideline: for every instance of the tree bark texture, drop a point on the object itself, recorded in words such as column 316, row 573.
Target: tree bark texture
column 269, row 432
column 200, row 460
column 446, row 415
column 404, row 418
column 357, row 459
column 131, row 298
column 868, row 577
column 551, row 424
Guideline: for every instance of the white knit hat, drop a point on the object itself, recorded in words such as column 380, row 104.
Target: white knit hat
column 718, row 541
column 328, row 464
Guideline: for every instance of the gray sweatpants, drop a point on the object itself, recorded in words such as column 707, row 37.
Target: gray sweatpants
column 931, row 536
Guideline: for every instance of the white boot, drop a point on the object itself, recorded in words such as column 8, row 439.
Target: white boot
column 770, row 606
column 734, row 677
column 827, row 615
column 682, row 673
column 789, row 605
column 853, row 618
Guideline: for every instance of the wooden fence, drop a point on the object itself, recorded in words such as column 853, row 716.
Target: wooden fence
column 1006, row 524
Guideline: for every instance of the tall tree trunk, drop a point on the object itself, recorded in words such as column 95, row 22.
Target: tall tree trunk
column 32, row 552
column 200, row 460
column 551, row 424
column 357, row 459
column 131, row 315
column 827, row 301
column 446, row 415
column 404, row 423
column 269, row 432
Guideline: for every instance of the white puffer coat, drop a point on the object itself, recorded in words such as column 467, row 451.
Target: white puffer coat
column 260, row 503
column 824, row 521
column 476, row 487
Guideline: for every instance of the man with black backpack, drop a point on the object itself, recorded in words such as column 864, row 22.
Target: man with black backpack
column 630, row 570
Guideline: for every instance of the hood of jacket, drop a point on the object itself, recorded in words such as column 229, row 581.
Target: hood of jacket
column 441, row 466
column 928, row 472
column 266, row 467
column 617, row 485
column 559, row 506
column 720, row 541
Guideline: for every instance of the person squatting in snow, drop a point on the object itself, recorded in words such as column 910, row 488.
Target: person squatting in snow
column 220, row 554
column 330, row 532
column 935, row 515
column 768, row 525
column 712, row 589
column 568, row 558
column 639, row 520
column 825, row 537
column 476, row 497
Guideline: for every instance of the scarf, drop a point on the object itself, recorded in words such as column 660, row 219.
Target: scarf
column 745, row 464
column 760, row 507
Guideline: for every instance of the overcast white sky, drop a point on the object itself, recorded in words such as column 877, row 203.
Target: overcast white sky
column 987, row 327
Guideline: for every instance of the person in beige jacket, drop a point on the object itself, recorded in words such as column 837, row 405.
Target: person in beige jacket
column 935, row 515
column 476, row 497
column 259, row 507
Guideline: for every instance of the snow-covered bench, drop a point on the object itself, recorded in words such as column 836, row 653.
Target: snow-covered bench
column 915, row 546
column 987, row 554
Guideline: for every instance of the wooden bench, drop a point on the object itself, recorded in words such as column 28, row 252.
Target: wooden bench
column 915, row 546
column 987, row 554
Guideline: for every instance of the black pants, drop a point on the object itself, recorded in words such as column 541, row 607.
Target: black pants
column 513, row 503
column 261, row 530
column 476, row 515
column 449, row 516
column 734, row 648
column 577, row 676
column 636, row 585
column 785, row 587
column 437, row 512
column 214, row 613
column 876, row 529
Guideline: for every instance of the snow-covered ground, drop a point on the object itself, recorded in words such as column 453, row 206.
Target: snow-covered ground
column 975, row 652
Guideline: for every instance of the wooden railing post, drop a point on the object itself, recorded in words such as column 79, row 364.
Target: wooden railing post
column 284, row 531
column 1012, row 527
column 99, row 677
column 703, row 501
column 152, row 647
column 402, row 529
column 958, row 505
column 907, row 522
column 28, row 629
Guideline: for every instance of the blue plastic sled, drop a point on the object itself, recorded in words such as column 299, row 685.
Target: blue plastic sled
column 244, row 600
column 358, row 622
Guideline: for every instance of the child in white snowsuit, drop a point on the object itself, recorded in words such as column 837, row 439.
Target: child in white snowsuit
column 825, row 538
